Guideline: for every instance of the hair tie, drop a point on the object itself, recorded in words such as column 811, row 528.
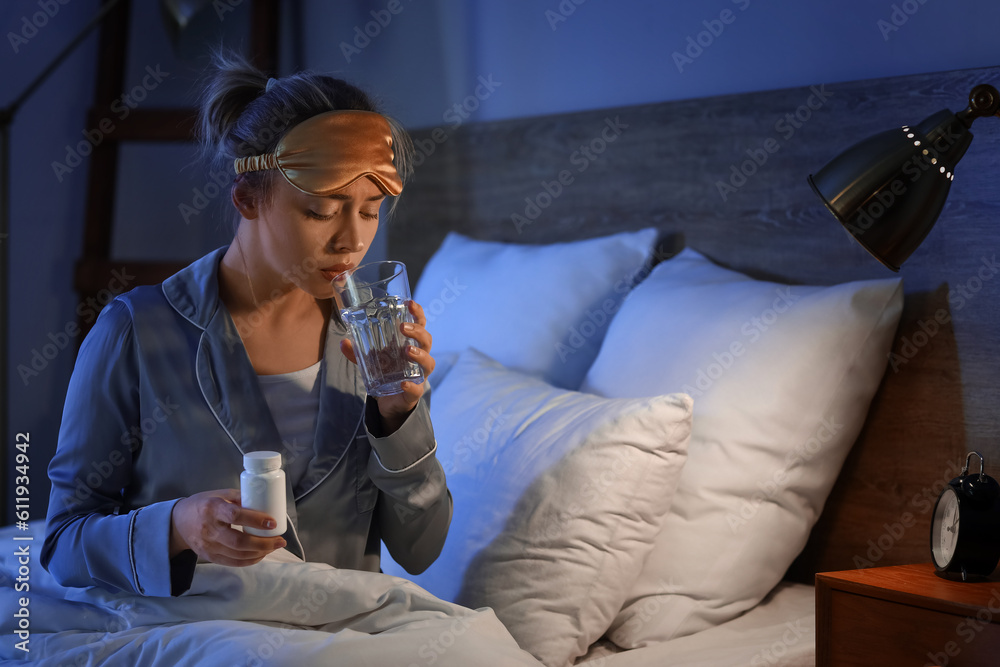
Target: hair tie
column 270, row 84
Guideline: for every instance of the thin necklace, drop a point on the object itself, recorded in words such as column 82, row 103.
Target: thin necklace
column 246, row 270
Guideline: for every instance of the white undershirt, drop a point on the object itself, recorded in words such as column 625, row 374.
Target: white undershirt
column 294, row 402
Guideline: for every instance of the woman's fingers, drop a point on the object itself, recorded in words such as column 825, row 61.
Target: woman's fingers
column 421, row 357
column 419, row 353
column 417, row 328
column 239, row 543
column 204, row 523
column 238, row 546
column 417, row 333
column 418, row 312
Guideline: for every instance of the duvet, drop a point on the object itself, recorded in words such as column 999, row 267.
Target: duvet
column 280, row 611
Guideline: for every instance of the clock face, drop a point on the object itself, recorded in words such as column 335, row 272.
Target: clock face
column 944, row 528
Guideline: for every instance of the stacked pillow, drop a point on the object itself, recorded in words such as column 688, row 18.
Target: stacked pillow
column 558, row 498
column 539, row 309
column 566, row 519
column 782, row 377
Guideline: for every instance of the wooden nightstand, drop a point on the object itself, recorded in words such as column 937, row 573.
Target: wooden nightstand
column 905, row 615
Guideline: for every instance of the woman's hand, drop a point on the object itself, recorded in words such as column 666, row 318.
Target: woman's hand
column 394, row 409
column 202, row 523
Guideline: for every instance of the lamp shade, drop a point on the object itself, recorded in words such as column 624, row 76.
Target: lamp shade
column 889, row 189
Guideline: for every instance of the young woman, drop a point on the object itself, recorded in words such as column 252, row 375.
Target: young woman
column 243, row 351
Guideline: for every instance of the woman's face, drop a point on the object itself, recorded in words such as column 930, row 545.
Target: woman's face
column 310, row 239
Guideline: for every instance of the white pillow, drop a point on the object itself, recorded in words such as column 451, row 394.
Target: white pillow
column 558, row 498
column 782, row 377
column 541, row 309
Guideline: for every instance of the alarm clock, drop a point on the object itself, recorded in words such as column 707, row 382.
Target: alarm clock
column 965, row 526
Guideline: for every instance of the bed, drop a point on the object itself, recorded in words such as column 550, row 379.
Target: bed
column 670, row 391
column 682, row 168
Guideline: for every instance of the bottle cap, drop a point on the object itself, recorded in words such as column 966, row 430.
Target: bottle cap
column 261, row 461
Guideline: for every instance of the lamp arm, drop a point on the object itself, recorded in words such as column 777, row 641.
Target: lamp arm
column 984, row 100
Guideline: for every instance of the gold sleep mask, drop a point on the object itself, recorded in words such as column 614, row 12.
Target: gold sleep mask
column 330, row 151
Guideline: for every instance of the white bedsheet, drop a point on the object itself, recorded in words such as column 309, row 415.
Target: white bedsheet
column 265, row 614
column 285, row 612
column 779, row 632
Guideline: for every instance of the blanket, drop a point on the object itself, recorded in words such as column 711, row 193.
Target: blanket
column 281, row 611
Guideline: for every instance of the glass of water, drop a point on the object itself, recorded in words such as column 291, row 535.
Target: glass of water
column 372, row 301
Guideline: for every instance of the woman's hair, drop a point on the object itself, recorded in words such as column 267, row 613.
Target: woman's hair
column 239, row 117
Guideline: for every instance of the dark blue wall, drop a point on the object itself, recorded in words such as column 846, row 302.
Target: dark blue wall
column 421, row 57
column 553, row 56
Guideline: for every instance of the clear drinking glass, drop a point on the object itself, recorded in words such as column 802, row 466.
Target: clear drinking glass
column 372, row 301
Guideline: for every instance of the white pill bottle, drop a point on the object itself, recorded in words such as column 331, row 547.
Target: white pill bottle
column 262, row 488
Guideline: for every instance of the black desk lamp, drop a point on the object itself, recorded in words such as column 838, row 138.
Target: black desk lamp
column 889, row 189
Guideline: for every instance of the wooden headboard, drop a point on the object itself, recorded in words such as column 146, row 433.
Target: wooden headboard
column 677, row 166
